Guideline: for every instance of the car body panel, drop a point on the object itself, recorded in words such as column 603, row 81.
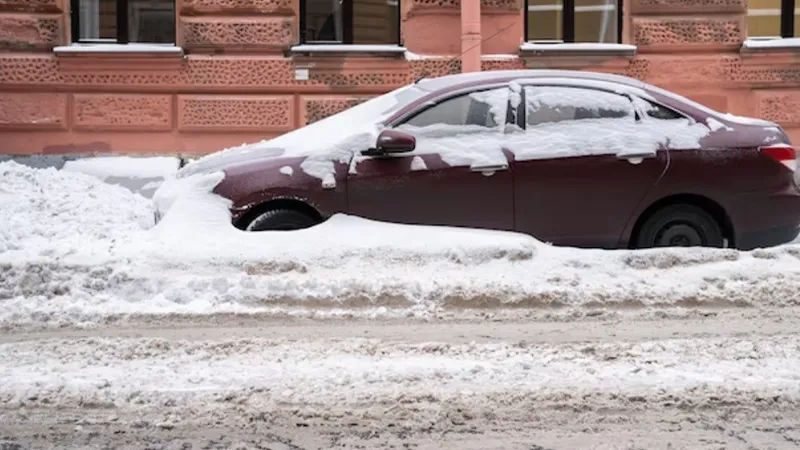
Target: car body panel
column 583, row 209
column 438, row 194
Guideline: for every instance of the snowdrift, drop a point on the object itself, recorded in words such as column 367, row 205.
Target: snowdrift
column 76, row 250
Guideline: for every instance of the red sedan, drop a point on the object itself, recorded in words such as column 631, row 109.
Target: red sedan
column 574, row 158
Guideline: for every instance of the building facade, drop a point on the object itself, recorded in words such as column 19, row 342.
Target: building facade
column 194, row 76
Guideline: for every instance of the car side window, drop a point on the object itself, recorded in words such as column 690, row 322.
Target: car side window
column 663, row 113
column 486, row 109
column 553, row 104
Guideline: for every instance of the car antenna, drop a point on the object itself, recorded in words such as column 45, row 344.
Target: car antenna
column 457, row 57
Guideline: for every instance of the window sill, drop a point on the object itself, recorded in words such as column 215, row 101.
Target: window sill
column 348, row 49
column 123, row 57
column 577, row 49
column 766, row 45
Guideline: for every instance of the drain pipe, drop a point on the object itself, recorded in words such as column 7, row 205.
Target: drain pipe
column 470, row 35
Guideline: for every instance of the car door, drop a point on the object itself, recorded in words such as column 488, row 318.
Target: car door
column 458, row 174
column 582, row 165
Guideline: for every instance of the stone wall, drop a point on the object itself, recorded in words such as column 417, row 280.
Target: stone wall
column 235, row 81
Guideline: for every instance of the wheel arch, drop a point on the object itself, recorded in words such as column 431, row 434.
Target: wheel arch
column 707, row 204
column 279, row 203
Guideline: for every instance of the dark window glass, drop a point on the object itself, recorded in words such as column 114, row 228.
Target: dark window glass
column 573, row 20
column 484, row 109
column 144, row 21
column 663, row 113
column 351, row 21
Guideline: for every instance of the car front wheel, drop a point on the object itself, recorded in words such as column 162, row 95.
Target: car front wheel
column 680, row 226
column 280, row 220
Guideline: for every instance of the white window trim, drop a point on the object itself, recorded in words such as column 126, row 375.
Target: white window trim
column 544, row 46
column 118, row 48
column 770, row 42
column 348, row 48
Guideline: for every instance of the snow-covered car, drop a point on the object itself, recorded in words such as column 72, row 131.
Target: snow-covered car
column 573, row 158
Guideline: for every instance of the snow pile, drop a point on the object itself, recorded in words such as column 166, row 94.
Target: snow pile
column 125, row 167
column 48, row 214
column 89, row 255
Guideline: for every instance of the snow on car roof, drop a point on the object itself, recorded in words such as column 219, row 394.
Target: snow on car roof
column 449, row 81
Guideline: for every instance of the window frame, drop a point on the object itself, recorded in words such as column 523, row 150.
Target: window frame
column 123, row 30
column 568, row 21
column 347, row 25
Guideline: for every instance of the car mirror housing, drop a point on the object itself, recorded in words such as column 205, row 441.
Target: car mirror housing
column 392, row 141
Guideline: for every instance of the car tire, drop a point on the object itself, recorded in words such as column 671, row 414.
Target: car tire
column 680, row 225
column 281, row 220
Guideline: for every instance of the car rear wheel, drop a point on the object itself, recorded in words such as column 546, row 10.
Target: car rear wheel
column 281, row 220
column 680, row 226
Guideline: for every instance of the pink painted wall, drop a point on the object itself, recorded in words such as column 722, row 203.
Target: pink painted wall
column 232, row 87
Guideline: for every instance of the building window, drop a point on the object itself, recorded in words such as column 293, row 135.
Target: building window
column 772, row 18
column 574, row 20
column 350, row 21
column 123, row 21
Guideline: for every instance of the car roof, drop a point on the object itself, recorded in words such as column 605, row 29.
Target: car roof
column 448, row 82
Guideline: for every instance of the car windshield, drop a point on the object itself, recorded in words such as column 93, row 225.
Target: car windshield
column 357, row 119
column 324, row 136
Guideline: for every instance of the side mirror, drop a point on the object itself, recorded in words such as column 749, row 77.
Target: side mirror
column 392, row 141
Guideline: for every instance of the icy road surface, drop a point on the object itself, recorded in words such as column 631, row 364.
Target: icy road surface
column 362, row 335
column 728, row 379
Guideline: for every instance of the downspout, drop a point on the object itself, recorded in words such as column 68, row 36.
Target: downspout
column 470, row 35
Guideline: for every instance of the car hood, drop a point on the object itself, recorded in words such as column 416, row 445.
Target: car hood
column 227, row 160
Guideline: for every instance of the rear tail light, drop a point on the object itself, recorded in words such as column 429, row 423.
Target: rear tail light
column 784, row 154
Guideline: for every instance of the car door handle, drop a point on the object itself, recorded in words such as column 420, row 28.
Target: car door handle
column 491, row 168
column 636, row 155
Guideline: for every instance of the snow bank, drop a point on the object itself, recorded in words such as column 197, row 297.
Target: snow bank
column 125, row 166
column 92, row 253
column 49, row 214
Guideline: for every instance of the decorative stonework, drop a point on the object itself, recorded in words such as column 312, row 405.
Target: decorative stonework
column 429, row 68
column 29, row 32
column 696, row 32
column 485, row 4
column 122, row 111
column 29, row 70
column 240, row 6
column 318, row 108
column 675, row 70
column 687, row 6
column 783, row 108
column 33, row 110
column 272, row 32
column 31, row 5
column 502, row 64
column 231, row 113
